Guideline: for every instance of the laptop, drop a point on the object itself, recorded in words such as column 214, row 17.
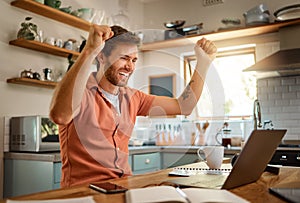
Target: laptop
column 248, row 167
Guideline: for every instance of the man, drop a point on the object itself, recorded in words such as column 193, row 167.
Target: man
column 96, row 112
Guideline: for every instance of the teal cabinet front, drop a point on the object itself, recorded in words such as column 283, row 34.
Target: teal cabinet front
column 177, row 159
column 143, row 163
column 28, row 176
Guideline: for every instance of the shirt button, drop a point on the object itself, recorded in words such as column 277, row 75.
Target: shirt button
column 118, row 148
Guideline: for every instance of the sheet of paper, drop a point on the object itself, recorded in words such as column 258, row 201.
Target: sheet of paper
column 212, row 195
column 88, row 199
column 169, row 194
column 153, row 194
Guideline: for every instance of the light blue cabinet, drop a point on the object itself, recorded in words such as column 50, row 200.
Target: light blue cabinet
column 29, row 176
column 143, row 163
column 177, row 159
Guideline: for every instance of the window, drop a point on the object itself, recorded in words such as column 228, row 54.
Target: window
column 228, row 92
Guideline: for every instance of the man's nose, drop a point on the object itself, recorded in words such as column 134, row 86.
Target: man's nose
column 130, row 65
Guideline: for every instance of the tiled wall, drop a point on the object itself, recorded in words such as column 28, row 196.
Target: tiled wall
column 280, row 102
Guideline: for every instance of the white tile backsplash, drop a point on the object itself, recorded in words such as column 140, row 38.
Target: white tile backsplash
column 280, row 102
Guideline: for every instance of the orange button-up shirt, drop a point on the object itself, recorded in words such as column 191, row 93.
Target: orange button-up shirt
column 94, row 145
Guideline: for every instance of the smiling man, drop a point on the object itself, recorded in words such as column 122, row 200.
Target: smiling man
column 96, row 112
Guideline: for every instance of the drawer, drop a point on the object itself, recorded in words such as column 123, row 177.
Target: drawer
column 177, row 159
column 146, row 161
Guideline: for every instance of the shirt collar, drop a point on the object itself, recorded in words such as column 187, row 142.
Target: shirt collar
column 92, row 83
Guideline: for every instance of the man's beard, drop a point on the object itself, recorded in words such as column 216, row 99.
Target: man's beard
column 113, row 79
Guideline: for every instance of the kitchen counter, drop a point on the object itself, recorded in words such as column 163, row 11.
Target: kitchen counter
column 46, row 156
column 55, row 156
column 254, row 192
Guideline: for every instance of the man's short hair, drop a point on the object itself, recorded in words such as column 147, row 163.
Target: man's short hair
column 121, row 35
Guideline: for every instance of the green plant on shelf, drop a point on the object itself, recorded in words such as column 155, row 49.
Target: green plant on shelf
column 28, row 30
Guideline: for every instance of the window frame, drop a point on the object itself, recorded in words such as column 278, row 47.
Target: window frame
column 187, row 68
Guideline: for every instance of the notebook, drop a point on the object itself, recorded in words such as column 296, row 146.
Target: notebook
column 250, row 164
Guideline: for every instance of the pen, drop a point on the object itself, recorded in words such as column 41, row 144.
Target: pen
column 183, row 194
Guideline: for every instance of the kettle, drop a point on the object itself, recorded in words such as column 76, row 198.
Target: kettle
column 257, row 15
column 27, row 74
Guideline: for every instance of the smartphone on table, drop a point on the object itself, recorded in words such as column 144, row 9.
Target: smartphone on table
column 107, row 187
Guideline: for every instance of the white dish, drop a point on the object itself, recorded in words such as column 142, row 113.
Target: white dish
column 288, row 13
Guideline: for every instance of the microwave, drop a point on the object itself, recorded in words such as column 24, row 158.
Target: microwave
column 33, row 134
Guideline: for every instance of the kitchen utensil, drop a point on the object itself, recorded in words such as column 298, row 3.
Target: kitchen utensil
column 59, row 43
column 174, row 24
column 288, row 12
column 50, row 41
column 27, row 74
column 68, row 45
column 257, row 15
column 205, row 126
column 48, row 74
column 36, row 76
column 179, row 31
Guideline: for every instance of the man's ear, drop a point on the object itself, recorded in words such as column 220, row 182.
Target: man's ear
column 100, row 58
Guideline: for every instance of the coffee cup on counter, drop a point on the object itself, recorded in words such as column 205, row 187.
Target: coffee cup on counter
column 213, row 156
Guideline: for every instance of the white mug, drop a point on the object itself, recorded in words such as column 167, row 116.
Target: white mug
column 50, row 40
column 59, row 43
column 213, row 155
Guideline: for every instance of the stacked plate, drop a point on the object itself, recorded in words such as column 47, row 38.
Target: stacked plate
column 288, row 13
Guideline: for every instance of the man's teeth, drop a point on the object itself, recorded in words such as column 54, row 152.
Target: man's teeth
column 124, row 74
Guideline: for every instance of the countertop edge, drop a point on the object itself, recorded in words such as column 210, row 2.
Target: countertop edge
column 55, row 156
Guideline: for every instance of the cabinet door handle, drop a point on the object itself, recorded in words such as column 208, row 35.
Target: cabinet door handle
column 147, row 161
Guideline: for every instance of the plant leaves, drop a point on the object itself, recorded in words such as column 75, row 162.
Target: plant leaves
column 28, row 18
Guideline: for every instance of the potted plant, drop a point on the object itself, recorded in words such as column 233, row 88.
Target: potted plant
column 28, row 30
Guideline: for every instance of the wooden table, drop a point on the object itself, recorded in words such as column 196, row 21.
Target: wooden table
column 254, row 192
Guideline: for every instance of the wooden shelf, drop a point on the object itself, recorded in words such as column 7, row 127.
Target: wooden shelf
column 43, row 47
column 52, row 13
column 217, row 36
column 32, row 82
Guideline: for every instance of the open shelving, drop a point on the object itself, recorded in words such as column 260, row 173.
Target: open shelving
column 52, row 13
column 32, row 82
column 62, row 17
column 43, row 47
